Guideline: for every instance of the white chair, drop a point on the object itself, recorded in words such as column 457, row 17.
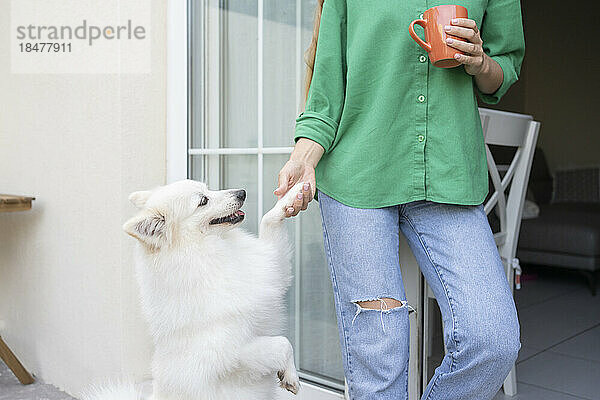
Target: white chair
column 503, row 129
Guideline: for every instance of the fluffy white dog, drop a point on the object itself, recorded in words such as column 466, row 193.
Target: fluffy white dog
column 212, row 294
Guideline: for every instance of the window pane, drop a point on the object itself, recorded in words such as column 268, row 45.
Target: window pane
column 228, row 53
column 240, row 69
column 319, row 345
column 272, row 165
column 314, row 330
column 280, row 59
column 196, row 168
column 196, row 75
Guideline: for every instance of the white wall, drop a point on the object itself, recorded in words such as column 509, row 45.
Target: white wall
column 80, row 144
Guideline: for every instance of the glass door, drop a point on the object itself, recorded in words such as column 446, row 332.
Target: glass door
column 246, row 71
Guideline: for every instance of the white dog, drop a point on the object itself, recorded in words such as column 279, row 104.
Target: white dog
column 212, row 294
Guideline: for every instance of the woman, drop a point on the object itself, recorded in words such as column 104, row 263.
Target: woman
column 395, row 144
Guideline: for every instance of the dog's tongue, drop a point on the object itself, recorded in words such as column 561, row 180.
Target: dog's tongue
column 240, row 212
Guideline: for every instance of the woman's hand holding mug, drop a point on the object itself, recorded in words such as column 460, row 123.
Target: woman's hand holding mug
column 300, row 167
column 474, row 57
column 453, row 39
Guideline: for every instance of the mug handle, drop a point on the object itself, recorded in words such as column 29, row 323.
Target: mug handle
column 426, row 46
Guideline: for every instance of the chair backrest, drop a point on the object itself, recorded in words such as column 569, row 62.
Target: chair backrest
column 503, row 128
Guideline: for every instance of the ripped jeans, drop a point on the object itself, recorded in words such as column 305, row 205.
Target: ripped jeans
column 455, row 249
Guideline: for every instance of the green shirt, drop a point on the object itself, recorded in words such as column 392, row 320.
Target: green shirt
column 395, row 128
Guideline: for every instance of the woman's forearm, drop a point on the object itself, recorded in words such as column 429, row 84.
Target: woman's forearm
column 491, row 76
column 308, row 151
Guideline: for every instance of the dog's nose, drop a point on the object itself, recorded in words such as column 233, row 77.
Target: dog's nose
column 241, row 194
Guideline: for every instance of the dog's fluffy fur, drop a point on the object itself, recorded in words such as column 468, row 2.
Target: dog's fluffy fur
column 212, row 294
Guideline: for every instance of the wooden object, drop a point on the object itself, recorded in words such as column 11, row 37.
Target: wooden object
column 14, row 364
column 10, row 203
column 15, row 203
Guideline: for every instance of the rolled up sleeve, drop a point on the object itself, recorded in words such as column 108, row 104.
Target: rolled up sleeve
column 320, row 119
column 503, row 40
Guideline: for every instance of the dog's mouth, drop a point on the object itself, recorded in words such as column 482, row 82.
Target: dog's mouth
column 233, row 218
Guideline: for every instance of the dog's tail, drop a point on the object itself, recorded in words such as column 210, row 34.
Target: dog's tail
column 113, row 391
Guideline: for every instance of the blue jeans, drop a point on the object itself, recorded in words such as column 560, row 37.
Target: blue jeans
column 455, row 249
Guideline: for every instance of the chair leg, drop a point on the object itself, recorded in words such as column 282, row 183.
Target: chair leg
column 510, row 383
column 592, row 280
column 13, row 363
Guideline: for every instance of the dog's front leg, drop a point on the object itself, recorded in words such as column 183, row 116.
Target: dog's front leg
column 268, row 355
column 271, row 225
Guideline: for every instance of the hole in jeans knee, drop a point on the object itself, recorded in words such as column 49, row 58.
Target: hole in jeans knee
column 382, row 305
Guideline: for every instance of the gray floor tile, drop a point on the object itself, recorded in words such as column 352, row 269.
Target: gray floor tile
column 529, row 392
column 585, row 345
column 11, row 388
column 561, row 373
column 526, row 352
column 546, row 287
column 548, row 323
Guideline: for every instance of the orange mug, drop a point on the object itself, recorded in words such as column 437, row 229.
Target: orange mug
column 433, row 22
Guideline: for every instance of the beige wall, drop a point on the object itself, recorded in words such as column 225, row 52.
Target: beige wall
column 559, row 82
column 80, row 144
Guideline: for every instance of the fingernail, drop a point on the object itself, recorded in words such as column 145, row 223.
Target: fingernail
column 454, row 20
column 299, row 196
column 306, row 186
column 449, row 41
column 290, row 210
column 447, row 27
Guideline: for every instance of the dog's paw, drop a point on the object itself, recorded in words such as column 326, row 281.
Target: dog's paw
column 278, row 213
column 289, row 198
column 288, row 379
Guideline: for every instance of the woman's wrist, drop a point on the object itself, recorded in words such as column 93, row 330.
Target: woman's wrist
column 485, row 65
column 307, row 151
column 489, row 79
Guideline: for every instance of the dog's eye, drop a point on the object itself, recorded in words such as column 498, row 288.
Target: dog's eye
column 203, row 201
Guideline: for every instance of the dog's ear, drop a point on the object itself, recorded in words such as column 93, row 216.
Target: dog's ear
column 149, row 227
column 139, row 198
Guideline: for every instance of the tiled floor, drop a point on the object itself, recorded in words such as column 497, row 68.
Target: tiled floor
column 559, row 360
column 560, row 335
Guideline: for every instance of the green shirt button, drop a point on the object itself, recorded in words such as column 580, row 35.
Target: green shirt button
column 422, row 59
column 421, row 138
column 421, row 98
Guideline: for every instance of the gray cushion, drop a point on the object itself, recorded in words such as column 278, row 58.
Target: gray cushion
column 563, row 260
column 572, row 228
column 577, row 185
